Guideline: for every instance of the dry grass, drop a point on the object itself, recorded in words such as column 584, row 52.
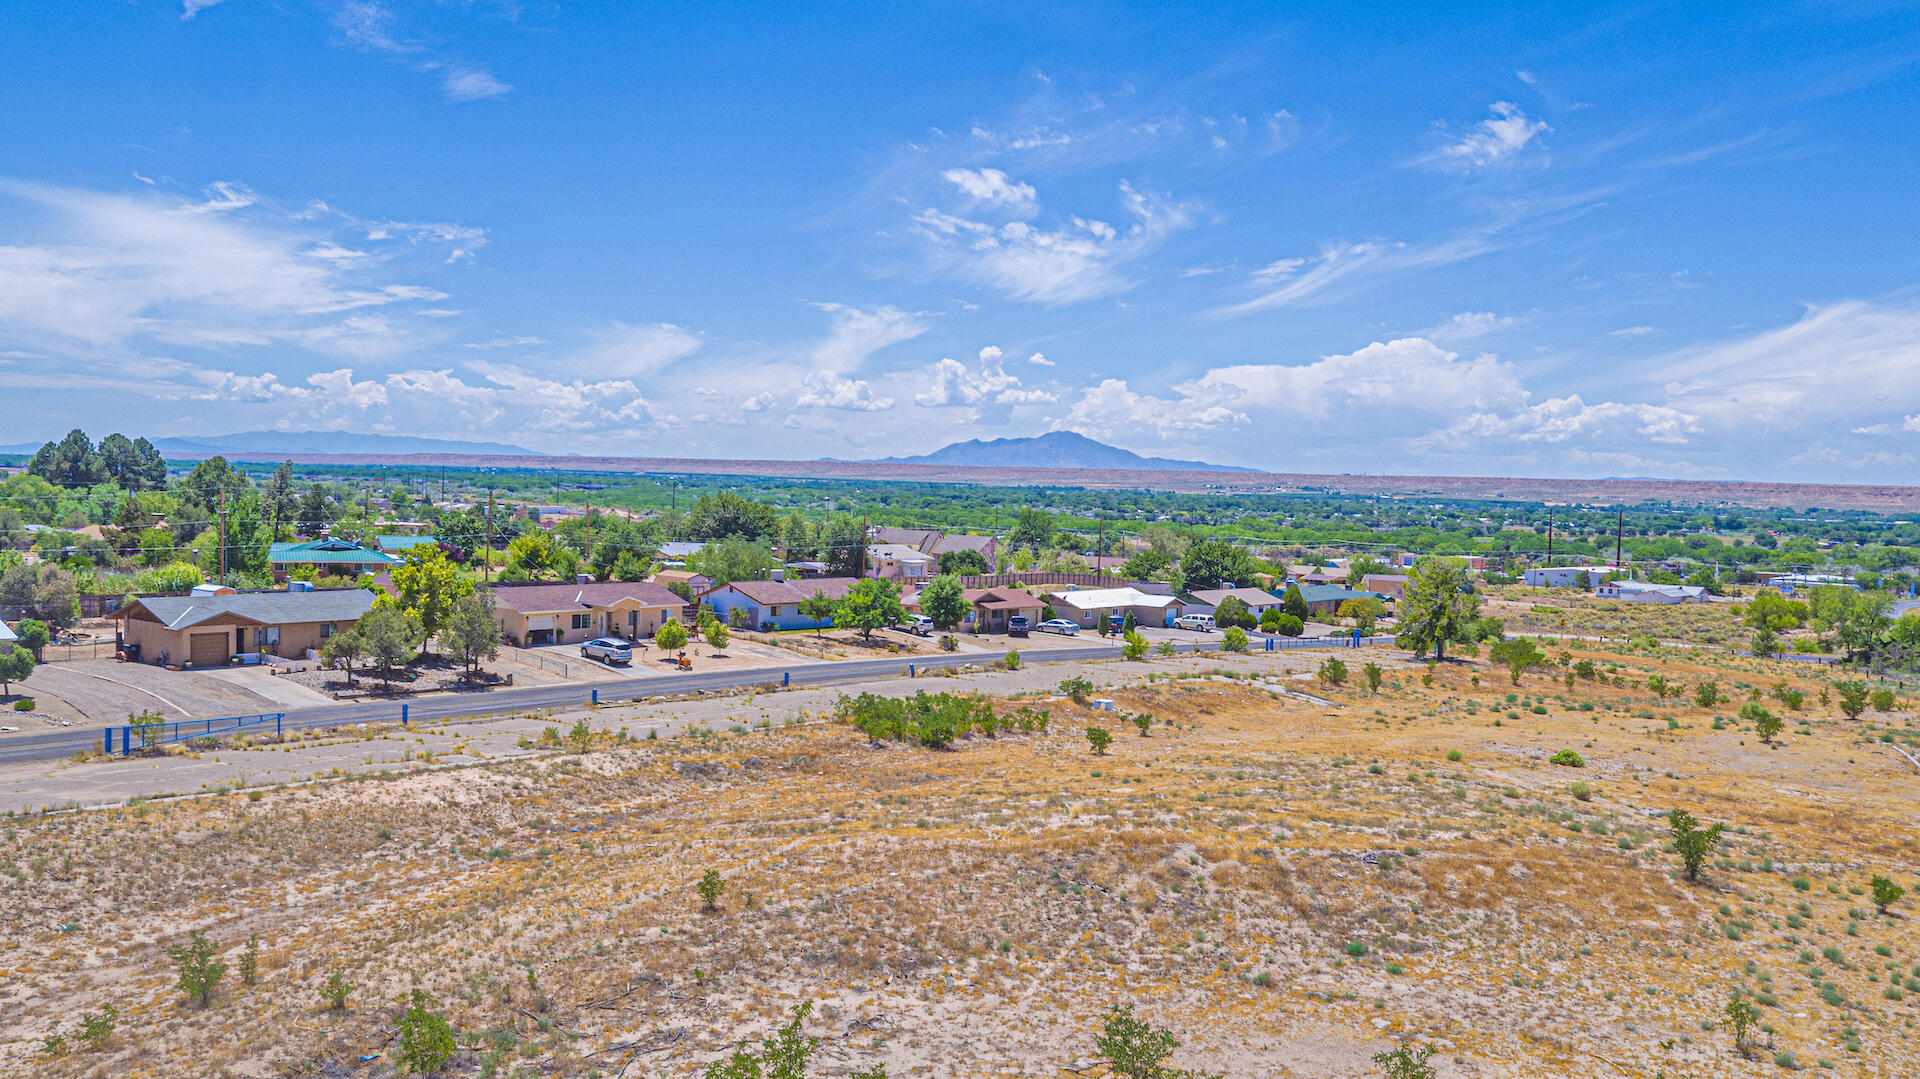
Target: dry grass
column 1287, row 885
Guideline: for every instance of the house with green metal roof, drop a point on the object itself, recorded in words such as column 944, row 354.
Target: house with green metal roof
column 329, row 556
column 398, row 546
column 1327, row 598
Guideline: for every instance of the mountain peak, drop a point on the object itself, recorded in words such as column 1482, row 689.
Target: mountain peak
column 1055, row 449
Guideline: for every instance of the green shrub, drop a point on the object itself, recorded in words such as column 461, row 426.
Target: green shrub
column 1692, row 842
column 426, row 1039
column 1406, row 1063
column 1455, row 755
column 711, row 885
column 1234, row 639
column 24, row 704
column 199, row 971
column 1099, row 738
column 933, row 720
column 1567, row 758
column 1333, row 671
column 1886, row 893
column 335, row 990
column 96, row 1028
column 1582, row 791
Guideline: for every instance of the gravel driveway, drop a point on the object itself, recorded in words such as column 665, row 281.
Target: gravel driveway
column 105, row 691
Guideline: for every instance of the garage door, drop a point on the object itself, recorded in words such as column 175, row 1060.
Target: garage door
column 209, row 649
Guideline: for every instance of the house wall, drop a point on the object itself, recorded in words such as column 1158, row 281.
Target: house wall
column 1144, row 616
column 155, row 640
column 781, row 616
column 600, row 622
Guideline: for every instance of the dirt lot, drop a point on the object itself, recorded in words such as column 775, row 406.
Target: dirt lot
column 104, row 691
column 1287, row 886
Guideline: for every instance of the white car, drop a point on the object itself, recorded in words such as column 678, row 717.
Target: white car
column 1059, row 625
column 1199, row 623
column 918, row 624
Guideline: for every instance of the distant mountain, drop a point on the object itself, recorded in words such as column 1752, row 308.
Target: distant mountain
column 256, row 443
column 1056, row 449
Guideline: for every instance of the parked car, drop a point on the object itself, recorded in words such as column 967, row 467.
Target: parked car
column 1017, row 625
column 1060, row 625
column 608, row 650
column 918, row 624
column 1199, row 623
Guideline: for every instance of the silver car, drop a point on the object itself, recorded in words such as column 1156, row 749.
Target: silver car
column 608, row 650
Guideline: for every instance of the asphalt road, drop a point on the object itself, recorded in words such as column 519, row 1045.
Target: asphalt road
column 54, row 744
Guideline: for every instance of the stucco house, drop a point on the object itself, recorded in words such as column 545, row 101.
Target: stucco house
column 1327, row 598
column 1644, row 592
column 1086, row 606
column 775, row 604
column 989, row 608
column 1257, row 600
column 537, row 614
column 330, row 555
column 899, row 562
column 209, row 631
column 1391, row 585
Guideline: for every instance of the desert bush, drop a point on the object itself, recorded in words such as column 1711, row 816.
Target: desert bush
column 96, row 1028
column 1288, row 625
column 1882, row 700
column 1013, row 659
column 1135, row 1049
column 1567, row 758
column 1144, row 722
column 1706, row 694
column 1234, row 639
column 1165, row 648
column 1333, row 671
column 1692, row 842
column 1076, row 688
column 1885, row 893
column 1582, row 791
column 426, row 1039
column 711, row 886
column 1406, row 1063
column 1741, row 1019
column 1455, row 755
column 250, row 961
column 581, row 736
column 933, row 720
column 336, row 989
column 27, row 704
column 783, row 1056
column 1099, row 738
column 199, row 971
column 1853, row 697
column 1373, row 674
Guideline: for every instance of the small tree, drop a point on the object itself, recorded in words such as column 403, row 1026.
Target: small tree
column 1707, row 694
column 783, row 1056
column 819, row 608
column 1765, row 643
column 1076, row 688
column 391, row 636
column 1135, row 646
column 343, row 650
column 1405, row 1063
column 739, row 617
column 250, row 961
column 1517, row 654
column 470, row 631
column 33, row 635
column 1135, row 1049
column 1374, row 674
column 1741, row 1019
column 671, row 636
column 199, row 970
column 1692, row 842
column 1853, row 697
column 870, row 604
column 719, row 635
column 336, row 990
column 96, row 1028
column 426, row 1039
column 1234, row 639
column 15, row 665
column 1270, row 620
column 1099, row 738
column 1765, row 723
column 711, row 886
column 944, row 601
column 1885, row 892
column 1333, row 671
column 1144, row 723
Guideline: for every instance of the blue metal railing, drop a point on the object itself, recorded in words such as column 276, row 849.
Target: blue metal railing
column 144, row 736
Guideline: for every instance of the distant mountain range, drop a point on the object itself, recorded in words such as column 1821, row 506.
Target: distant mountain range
column 1056, row 449
column 256, row 444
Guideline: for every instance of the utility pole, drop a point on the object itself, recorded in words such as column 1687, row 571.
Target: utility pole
column 486, row 526
column 589, row 530
column 1549, row 535
column 1619, row 534
column 223, row 535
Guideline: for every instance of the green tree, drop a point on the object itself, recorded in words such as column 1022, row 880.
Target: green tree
column 1146, row 565
column 1373, row 674
column 869, row 605
column 844, row 546
column 71, row 462
column 199, row 971
column 1032, row 531
column 1770, row 610
column 391, row 636
column 1764, row 643
column 1231, row 612
column 718, row 635
column 1765, row 723
column 1692, row 842
column 426, row 1039
column 1706, row 694
column 581, row 736
column 817, row 608
column 315, row 512
column 1135, row 1049
column 1333, row 671
column 1362, row 567
column 1234, row 639
column 343, row 650
column 1517, row 654
column 33, row 635
column 1853, row 697
column 783, row 1056
column 1437, row 606
column 711, row 885
column 15, row 665
column 1885, row 892
column 1294, row 602
column 1211, row 564
column 671, row 636
column 280, row 500
column 1741, row 1019
column 944, row 601
column 470, row 630
column 427, row 586
column 735, row 560
column 728, row 516
column 1099, row 738
column 964, row 561
column 1406, row 1063
column 43, row 591
column 336, row 989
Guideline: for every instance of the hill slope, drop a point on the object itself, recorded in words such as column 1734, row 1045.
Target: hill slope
column 1055, row 449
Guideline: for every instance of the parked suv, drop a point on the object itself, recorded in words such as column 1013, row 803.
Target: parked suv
column 608, row 650
column 918, row 624
column 1199, row 623
column 1018, row 625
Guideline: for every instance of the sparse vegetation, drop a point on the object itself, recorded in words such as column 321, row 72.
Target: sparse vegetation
column 1691, row 842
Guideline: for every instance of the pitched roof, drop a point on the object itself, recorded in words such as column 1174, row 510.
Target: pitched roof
column 1093, row 599
column 765, row 593
column 680, row 549
column 265, row 608
column 960, row 543
column 834, row 587
column 900, row 552
column 1252, row 597
column 403, row 543
column 921, row 539
column 1323, row 593
column 329, row 552
column 544, row 598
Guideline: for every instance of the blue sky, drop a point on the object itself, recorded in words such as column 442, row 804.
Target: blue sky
column 1663, row 240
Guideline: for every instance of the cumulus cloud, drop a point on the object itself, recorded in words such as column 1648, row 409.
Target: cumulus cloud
column 759, row 402
column 1468, row 325
column 1079, row 259
column 1039, row 360
column 823, row 389
column 1564, row 419
column 464, row 83
column 1408, row 376
column 1496, row 140
column 1113, row 405
column 954, row 385
column 619, row 350
column 991, row 187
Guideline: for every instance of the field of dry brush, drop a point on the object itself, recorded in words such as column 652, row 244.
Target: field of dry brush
column 1289, row 875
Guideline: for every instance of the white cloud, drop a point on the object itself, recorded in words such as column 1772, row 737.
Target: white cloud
column 1113, row 406
column 506, row 342
column 190, row 8
column 1493, row 141
column 1340, row 269
column 1468, row 325
column 822, row 389
column 1564, row 419
column 1079, row 260
column 464, row 83
column 759, row 402
column 1633, row 331
column 953, row 385
column 1840, row 364
column 624, row 351
column 991, row 187
column 856, row 335
column 1039, row 360
column 1911, row 423
column 1409, row 376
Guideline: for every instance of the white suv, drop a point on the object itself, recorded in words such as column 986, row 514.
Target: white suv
column 918, row 624
column 1199, row 623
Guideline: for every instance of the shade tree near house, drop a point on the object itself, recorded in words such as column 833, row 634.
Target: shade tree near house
column 343, row 650
column 15, row 665
column 944, row 601
column 870, row 604
column 963, row 561
column 426, row 584
column 1213, row 564
column 1032, row 530
column 470, row 631
column 392, row 635
column 33, row 636
column 817, row 608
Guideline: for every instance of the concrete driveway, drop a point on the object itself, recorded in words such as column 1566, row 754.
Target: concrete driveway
column 105, row 691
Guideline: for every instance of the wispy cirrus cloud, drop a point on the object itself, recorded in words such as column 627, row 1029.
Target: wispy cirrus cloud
column 1496, row 140
column 371, row 26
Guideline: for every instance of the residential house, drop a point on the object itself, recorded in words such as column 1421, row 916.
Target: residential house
column 209, row 631
column 1087, row 606
column 398, row 546
column 930, row 541
column 1408, row 559
column 1566, row 576
column 1645, row 592
column 544, row 613
column 677, row 552
column 1207, row 600
column 1390, row 585
column 7, row 636
column 1327, row 598
column 899, row 562
column 696, row 582
column 987, row 546
column 1319, row 576
column 989, row 608
column 329, row 555
column 774, row 604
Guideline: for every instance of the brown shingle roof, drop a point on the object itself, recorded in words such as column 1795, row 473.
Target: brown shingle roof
column 547, row 598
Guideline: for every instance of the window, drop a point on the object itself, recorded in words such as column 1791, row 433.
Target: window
column 328, row 629
column 582, row 621
column 775, row 610
column 266, row 636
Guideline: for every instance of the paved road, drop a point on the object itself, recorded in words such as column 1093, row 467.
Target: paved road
column 54, row 744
